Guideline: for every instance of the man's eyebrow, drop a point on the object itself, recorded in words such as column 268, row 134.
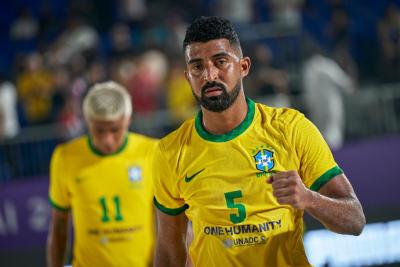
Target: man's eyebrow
column 221, row 54
column 193, row 60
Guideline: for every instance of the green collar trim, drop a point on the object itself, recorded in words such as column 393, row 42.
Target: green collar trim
column 101, row 154
column 230, row 135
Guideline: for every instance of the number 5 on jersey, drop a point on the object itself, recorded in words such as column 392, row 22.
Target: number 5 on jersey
column 240, row 215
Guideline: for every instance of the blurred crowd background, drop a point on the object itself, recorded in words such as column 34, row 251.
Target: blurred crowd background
column 337, row 61
column 307, row 54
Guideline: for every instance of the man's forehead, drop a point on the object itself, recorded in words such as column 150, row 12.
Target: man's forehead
column 106, row 123
column 208, row 49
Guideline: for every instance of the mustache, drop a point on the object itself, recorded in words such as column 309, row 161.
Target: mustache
column 211, row 85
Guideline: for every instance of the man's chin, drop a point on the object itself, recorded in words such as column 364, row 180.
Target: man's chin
column 214, row 106
column 107, row 151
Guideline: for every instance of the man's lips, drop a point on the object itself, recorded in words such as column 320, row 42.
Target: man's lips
column 213, row 91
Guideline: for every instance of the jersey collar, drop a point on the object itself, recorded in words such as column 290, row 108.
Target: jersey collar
column 230, row 135
column 101, row 154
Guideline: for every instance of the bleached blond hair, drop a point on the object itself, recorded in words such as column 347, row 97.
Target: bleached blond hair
column 107, row 101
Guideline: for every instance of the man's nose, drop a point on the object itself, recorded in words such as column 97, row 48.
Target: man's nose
column 108, row 139
column 210, row 72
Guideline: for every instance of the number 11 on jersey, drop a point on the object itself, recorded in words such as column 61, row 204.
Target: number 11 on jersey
column 105, row 217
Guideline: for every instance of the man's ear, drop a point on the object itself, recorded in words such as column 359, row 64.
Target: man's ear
column 186, row 75
column 245, row 64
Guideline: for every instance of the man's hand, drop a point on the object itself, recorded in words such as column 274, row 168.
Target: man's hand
column 335, row 205
column 288, row 188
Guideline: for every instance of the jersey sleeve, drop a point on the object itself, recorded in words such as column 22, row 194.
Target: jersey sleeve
column 166, row 193
column 151, row 145
column 58, row 192
column 317, row 165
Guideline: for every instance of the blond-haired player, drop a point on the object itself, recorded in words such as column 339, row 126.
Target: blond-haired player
column 104, row 180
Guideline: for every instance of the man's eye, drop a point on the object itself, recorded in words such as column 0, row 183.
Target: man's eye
column 221, row 61
column 197, row 67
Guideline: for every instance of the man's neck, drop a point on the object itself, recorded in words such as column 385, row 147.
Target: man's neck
column 227, row 120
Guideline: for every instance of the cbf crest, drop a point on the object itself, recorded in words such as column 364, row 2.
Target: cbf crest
column 135, row 174
column 264, row 159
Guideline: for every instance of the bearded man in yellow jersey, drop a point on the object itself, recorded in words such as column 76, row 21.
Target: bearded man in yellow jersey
column 105, row 180
column 241, row 172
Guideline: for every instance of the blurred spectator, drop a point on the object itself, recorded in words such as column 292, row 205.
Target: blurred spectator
column 25, row 26
column 323, row 83
column 48, row 22
column 146, row 84
column 65, row 111
column 134, row 29
column 78, row 38
column 102, row 13
column 155, row 34
column 237, row 11
column 389, row 38
column 62, row 80
column 286, row 13
column 268, row 81
column 132, row 10
column 96, row 73
column 9, row 125
column 176, row 27
column 35, row 90
column 340, row 38
column 338, row 29
column 180, row 101
column 346, row 62
column 71, row 124
column 121, row 42
column 72, row 112
column 122, row 70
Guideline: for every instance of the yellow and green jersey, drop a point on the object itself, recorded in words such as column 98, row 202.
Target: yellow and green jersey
column 110, row 197
column 219, row 181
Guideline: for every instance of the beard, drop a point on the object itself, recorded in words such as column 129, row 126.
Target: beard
column 221, row 102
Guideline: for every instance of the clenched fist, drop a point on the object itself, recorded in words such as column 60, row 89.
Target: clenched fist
column 288, row 188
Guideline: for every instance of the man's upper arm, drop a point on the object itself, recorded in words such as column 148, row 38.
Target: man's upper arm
column 171, row 239
column 58, row 192
column 170, row 205
column 172, row 227
column 167, row 196
column 59, row 220
column 338, row 187
column 316, row 163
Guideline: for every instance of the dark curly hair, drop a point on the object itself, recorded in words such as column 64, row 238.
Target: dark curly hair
column 204, row 29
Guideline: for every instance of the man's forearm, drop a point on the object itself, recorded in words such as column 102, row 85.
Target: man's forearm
column 57, row 239
column 56, row 247
column 165, row 259
column 341, row 215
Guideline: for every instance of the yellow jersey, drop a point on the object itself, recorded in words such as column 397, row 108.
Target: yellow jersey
column 219, row 181
column 110, row 197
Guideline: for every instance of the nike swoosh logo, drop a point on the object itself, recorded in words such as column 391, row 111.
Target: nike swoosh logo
column 190, row 178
